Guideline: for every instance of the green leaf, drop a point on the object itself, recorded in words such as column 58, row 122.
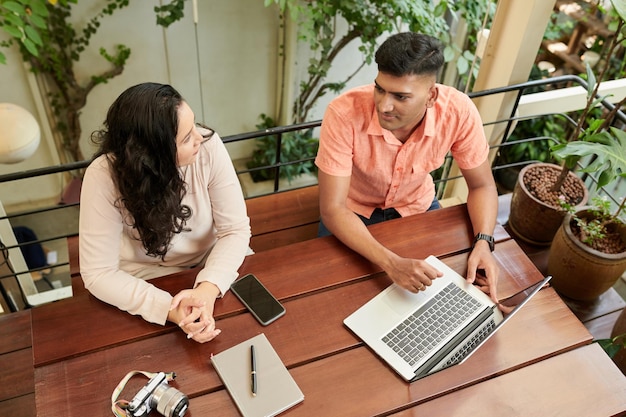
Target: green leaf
column 594, row 125
column 462, row 65
column 609, row 150
column 442, row 7
column 3, row 59
column 591, row 80
column 39, row 8
column 14, row 7
column 13, row 31
column 37, row 21
column 30, row 46
column 609, row 347
column 620, row 8
column 33, row 35
column 448, row 53
column 14, row 20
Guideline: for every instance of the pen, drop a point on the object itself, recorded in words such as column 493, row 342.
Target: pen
column 253, row 370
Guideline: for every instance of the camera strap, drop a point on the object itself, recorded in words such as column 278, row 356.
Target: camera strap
column 119, row 406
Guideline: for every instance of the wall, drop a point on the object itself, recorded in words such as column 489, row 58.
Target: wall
column 15, row 87
column 343, row 66
column 234, row 43
column 226, row 66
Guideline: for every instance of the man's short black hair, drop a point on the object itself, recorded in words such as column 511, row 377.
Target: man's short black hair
column 410, row 53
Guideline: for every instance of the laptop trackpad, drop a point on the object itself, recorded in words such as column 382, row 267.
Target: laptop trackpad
column 401, row 301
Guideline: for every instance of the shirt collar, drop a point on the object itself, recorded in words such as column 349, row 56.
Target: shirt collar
column 375, row 129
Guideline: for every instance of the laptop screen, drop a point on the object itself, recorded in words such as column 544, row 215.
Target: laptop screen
column 509, row 304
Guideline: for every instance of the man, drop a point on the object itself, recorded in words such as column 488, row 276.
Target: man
column 378, row 144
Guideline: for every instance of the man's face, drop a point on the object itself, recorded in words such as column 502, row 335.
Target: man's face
column 401, row 102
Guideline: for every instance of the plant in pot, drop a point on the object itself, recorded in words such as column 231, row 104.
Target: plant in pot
column 529, row 141
column 588, row 253
column 615, row 346
column 296, row 153
column 536, row 212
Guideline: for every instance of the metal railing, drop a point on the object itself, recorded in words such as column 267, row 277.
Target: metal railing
column 279, row 133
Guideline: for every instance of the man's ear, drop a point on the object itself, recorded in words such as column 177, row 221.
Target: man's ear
column 433, row 93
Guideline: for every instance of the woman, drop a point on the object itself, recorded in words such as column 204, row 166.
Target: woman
column 160, row 196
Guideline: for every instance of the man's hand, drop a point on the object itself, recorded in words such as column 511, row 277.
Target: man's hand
column 481, row 258
column 192, row 311
column 412, row 274
column 482, row 206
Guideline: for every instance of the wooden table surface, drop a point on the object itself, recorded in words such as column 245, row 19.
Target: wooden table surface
column 17, row 384
column 82, row 348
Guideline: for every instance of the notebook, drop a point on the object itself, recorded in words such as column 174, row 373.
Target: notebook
column 419, row 334
column 276, row 390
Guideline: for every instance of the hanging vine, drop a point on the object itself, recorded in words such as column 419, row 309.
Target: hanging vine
column 367, row 20
column 51, row 45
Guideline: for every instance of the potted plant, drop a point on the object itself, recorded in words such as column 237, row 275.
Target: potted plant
column 295, row 146
column 615, row 346
column 521, row 147
column 529, row 141
column 588, row 253
column 536, row 212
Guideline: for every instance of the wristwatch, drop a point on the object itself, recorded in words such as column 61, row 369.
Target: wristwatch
column 488, row 238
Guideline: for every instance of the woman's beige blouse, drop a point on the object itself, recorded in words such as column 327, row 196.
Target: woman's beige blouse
column 114, row 264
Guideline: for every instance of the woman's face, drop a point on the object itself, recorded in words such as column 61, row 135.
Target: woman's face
column 188, row 138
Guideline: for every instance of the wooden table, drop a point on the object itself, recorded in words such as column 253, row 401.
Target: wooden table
column 17, row 384
column 82, row 347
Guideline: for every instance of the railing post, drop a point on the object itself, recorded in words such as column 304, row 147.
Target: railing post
column 516, row 33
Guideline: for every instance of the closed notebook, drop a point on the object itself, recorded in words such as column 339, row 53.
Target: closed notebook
column 276, row 390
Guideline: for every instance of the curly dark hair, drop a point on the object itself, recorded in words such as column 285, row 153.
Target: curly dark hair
column 410, row 53
column 139, row 143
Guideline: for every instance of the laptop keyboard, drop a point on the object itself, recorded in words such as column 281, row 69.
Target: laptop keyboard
column 472, row 343
column 423, row 330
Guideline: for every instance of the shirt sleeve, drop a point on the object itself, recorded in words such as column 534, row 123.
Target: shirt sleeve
column 100, row 230
column 334, row 156
column 229, row 217
column 471, row 147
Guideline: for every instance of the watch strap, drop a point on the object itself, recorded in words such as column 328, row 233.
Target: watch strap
column 488, row 238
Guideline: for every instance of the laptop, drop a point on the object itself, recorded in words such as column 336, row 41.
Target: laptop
column 419, row 334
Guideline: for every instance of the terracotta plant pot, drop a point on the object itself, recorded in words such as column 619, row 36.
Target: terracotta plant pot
column 619, row 329
column 532, row 220
column 578, row 271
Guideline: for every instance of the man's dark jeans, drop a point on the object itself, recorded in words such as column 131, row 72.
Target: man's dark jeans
column 378, row 216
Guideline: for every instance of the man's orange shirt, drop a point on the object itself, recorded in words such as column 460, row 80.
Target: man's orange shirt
column 385, row 172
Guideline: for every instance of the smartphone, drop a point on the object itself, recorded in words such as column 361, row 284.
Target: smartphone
column 257, row 299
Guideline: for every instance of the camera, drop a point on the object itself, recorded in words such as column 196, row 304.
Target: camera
column 167, row 400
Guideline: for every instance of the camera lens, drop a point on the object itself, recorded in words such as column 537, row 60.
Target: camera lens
column 169, row 401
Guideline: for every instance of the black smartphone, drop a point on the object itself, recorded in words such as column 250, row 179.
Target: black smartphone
column 257, row 299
